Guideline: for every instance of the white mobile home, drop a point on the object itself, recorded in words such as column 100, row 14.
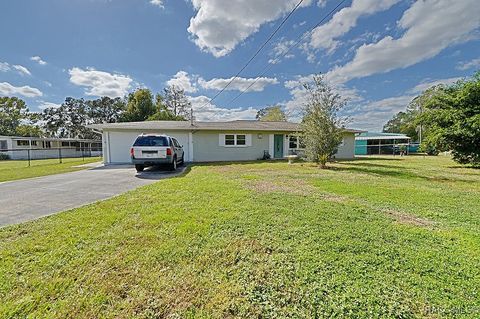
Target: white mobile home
column 20, row 148
column 214, row 141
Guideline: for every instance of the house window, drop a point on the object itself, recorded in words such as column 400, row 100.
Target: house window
column 230, row 139
column 65, row 144
column 239, row 140
column 47, row 144
column 22, row 143
column 295, row 142
column 33, row 143
column 3, row 145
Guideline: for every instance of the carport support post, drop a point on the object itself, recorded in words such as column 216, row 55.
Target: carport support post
column 60, row 155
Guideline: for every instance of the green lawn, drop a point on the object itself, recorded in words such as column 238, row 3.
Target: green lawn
column 13, row 170
column 379, row 237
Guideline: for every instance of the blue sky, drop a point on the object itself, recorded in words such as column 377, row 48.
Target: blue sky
column 377, row 53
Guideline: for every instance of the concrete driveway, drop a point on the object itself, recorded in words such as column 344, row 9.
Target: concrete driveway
column 29, row 199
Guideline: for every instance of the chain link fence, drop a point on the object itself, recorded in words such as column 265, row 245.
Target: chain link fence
column 45, row 156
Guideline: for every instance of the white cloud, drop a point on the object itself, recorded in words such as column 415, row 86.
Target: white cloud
column 6, row 89
column 239, row 84
column 4, row 67
column 205, row 111
column 295, row 105
column 158, row 3
column 431, row 26
column 466, row 65
column 21, row 69
column 280, row 49
column 183, row 81
column 38, row 59
column 372, row 115
column 422, row 86
column 44, row 105
column 324, row 36
column 219, row 25
column 100, row 83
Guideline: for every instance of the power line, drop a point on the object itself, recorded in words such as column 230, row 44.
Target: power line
column 269, row 66
column 256, row 53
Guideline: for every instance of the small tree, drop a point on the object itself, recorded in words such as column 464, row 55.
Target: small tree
column 271, row 114
column 321, row 124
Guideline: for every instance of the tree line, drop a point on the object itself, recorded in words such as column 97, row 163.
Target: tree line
column 73, row 115
column 444, row 118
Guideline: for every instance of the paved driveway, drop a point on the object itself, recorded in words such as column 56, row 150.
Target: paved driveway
column 29, row 199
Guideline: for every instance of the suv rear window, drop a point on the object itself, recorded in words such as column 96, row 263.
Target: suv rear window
column 151, row 141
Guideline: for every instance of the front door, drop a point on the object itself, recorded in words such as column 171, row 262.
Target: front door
column 278, row 146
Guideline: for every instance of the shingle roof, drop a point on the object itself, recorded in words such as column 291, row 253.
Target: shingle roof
column 239, row 125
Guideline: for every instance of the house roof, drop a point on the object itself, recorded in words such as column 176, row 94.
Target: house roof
column 380, row 136
column 238, row 125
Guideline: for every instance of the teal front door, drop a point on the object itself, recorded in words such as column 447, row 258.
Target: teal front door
column 278, row 146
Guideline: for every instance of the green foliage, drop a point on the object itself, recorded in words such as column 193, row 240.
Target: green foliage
column 15, row 118
column 452, row 121
column 69, row 120
column 403, row 122
column 4, row 157
column 140, row 106
column 163, row 113
column 322, row 127
column 105, row 109
column 271, row 114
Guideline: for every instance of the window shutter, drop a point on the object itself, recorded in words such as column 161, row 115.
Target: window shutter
column 248, row 139
column 221, row 139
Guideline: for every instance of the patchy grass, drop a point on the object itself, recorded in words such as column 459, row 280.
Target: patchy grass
column 377, row 237
column 12, row 170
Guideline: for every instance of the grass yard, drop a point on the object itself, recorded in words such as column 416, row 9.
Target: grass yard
column 13, row 170
column 378, row 237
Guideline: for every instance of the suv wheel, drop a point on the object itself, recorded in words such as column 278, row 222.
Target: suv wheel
column 183, row 160
column 173, row 165
column 139, row 167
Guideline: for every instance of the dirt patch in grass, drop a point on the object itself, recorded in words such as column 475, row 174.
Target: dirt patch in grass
column 333, row 198
column 407, row 219
column 297, row 187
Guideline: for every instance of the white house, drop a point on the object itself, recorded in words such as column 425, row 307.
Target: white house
column 19, row 147
column 214, row 141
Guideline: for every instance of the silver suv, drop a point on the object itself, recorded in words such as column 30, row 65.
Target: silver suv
column 153, row 149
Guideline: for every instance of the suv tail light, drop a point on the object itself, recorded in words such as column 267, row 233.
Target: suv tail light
column 169, row 151
column 132, row 152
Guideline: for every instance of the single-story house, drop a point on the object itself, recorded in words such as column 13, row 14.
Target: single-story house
column 20, row 148
column 374, row 143
column 240, row 140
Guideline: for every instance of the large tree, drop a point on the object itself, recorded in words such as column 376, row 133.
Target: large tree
column 452, row 120
column 271, row 114
column 69, row 120
column 177, row 102
column 321, row 124
column 15, row 118
column 140, row 106
column 106, row 109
